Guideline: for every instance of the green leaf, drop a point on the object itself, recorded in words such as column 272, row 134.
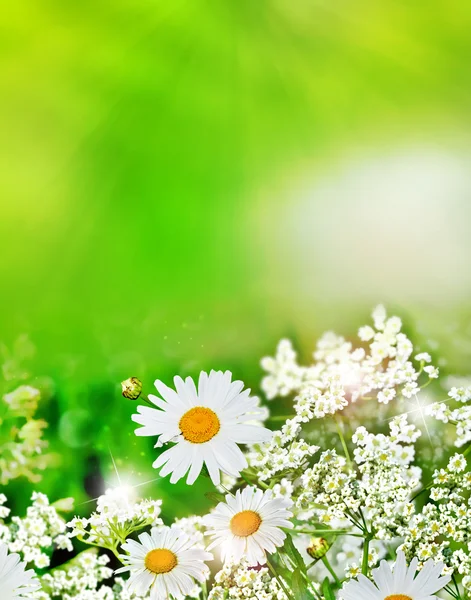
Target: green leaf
column 278, row 565
column 290, row 549
column 299, row 586
column 327, row 590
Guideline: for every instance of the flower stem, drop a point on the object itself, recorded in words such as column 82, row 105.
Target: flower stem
column 255, row 483
column 366, row 554
column 326, row 562
column 451, row 592
column 427, row 487
column 281, row 417
column 456, row 586
column 467, row 451
column 327, row 531
column 145, row 399
column 342, row 439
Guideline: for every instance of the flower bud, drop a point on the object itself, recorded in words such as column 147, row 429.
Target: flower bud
column 318, row 547
column 132, row 388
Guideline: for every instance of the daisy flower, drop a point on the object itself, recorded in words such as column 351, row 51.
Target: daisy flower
column 164, row 564
column 248, row 524
column 15, row 582
column 400, row 583
column 206, row 425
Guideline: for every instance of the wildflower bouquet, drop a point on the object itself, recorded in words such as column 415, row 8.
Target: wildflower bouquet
column 325, row 502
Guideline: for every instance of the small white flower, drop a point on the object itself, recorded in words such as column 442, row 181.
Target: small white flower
column 366, row 333
column 398, row 584
column 393, row 325
column 423, row 357
column 460, row 393
column 379, row 317
column 386, row 395
column 248, row 524
column 457, row 463
column 205, row 424
column 432, row 372
column 15, row 582
column 42, row 561
column 410, row 389
column 164, row 563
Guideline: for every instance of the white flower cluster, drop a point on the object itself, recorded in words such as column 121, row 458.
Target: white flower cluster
column 444, row 523
column 284, row 453
column 285, row 376
column 342, row 374
column 387, row 476
column 328, row 489
column 34, row 536
column 194, row 528
column 116, row 517
column 378, row 490
column 344, row 511
column 236, row 581
column 460, row 417
column 79, row 580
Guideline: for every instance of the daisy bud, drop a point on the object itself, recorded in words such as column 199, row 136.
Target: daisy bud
column 132, row 388
column 318, row 548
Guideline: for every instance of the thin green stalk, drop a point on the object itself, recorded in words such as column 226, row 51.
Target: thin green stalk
column 354, row 519
column 467, row 451
column 311, row 564
column 145, row 399
column 366, row 554
column 116, row 553
column 342, row 439
column 451, row 591
column 280, row 581
column 327, row 531
column 427, row 487
column 363, row 519
column 315, row 592
column 422, row 387
column 326, row 562
column 226, row 490
column 456, row 586
column 281, row 417
column 256, row 483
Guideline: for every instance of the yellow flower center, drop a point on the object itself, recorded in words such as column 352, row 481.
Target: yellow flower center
column 199, row 425
column 245, row 523
column 160, row 560
column 398, row 597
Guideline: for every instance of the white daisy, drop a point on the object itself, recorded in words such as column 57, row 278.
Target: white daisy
column 248, row 524
column 400, row 583
column 205, row 424
column 164, row 564
column 15, row 582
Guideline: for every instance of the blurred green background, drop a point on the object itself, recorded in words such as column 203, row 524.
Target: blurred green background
column 182, row 183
